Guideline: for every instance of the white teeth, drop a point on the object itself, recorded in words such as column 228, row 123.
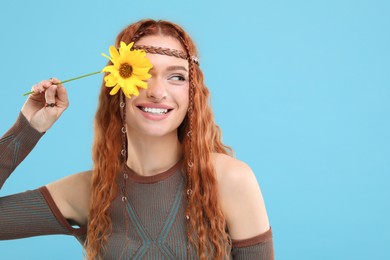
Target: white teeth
column 153, row 110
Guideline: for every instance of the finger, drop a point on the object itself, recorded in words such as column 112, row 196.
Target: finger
column 55, row 81
column 62, row 95
column 46, row 83
column 37, row 89
column 61, row 92
column 50, row 95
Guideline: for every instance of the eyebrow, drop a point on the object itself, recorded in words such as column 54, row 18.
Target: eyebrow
column 172, row 68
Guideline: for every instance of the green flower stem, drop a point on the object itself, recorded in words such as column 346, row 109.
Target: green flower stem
column 62, row 82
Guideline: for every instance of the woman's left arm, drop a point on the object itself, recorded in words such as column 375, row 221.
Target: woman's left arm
column 243, row 205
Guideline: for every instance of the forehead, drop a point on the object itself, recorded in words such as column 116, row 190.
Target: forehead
column 161, row 41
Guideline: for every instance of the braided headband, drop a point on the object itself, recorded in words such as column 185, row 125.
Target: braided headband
column 166, row 51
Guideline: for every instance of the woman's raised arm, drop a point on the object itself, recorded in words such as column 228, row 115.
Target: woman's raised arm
column 35, row 212
column 40, row 111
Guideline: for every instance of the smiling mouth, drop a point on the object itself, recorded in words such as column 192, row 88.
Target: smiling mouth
column 154, row 110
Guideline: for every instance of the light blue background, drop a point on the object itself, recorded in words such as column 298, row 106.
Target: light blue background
column 300, row 89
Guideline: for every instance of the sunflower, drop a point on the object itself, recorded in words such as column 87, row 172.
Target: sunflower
column 129, row 71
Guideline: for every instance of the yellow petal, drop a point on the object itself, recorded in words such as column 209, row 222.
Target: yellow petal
column 104, row 55
column 114, row 53
column 121, row 82
column 109, row 68
column 129, row 84
column 110, row 80
column 140, row 53
column 144, row 76
column 140, row 83
column 136, row 92
column 124, row 48
column 143, row 63
column 131, row 87
column 128, row 92
column 140, row 71
column 130, row 57
column 115, row 90
column 122, row 45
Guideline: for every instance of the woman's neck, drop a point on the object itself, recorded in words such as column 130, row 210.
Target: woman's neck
column 149, row 156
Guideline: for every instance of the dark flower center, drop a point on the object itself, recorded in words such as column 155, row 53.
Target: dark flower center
column 125, row 70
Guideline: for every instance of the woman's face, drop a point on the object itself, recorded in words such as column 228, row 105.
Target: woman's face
column 161, row 108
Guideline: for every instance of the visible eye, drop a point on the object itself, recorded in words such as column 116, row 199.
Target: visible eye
column 178, row 78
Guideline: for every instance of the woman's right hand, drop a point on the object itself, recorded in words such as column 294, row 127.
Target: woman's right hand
column 46, row 104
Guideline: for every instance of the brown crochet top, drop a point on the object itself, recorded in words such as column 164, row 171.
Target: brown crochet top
column 155, row 210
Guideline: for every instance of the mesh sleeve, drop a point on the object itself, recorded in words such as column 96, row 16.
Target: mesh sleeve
column 15, row 145
column 32, row 213
column 259, row 247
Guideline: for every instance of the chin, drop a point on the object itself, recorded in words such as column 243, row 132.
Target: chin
column 159, row 132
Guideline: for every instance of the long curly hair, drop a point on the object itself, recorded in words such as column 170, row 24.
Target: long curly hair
column 200, row 137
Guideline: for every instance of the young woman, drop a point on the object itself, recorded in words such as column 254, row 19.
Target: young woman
column 163, row 186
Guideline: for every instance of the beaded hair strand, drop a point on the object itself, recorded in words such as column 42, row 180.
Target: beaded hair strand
column 122, row 107
column 190, row 162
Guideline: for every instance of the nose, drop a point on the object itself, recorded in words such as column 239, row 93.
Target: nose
column 156, row 90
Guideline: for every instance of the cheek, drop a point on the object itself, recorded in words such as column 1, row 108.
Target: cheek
column 183, row 103
column 184, row 98
column 130, row 107
column 186, row 103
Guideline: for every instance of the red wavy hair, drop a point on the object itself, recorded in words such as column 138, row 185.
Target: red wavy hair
column 207, row 225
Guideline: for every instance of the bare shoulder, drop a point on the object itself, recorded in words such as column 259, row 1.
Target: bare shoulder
column 229, row 169
column 233, row 174
column 241, row 198
column 72, row 195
